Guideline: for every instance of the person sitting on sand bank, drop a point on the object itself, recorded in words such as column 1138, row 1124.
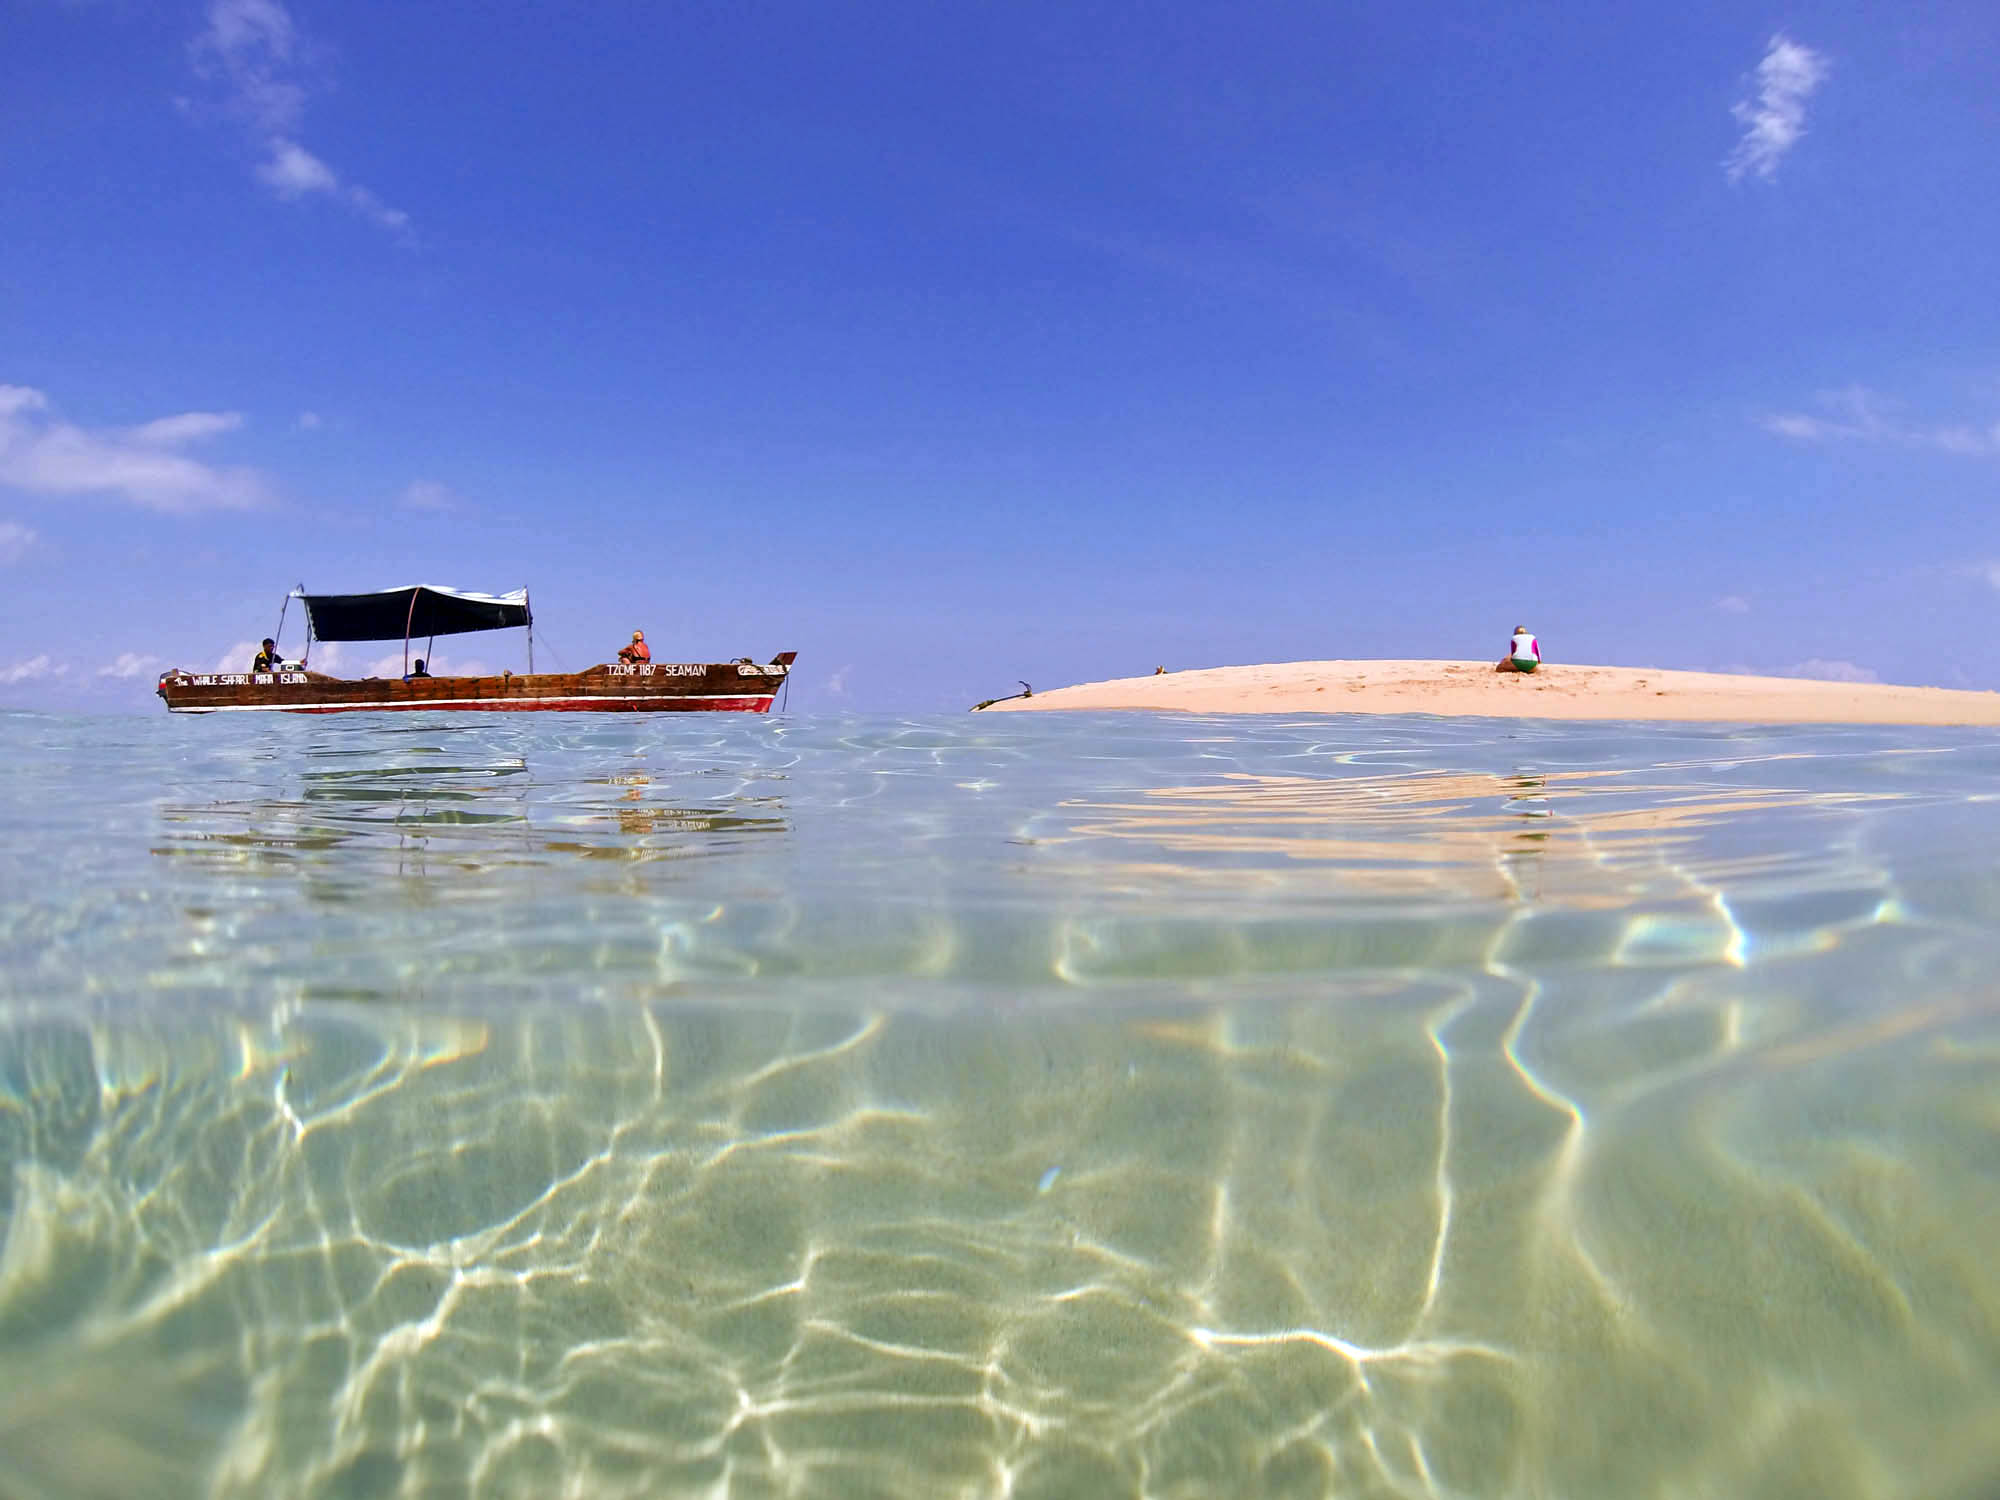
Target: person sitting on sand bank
column 637, row 652
column 1524, row 652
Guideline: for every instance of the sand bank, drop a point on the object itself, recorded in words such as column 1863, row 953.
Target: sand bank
column 1558, row 691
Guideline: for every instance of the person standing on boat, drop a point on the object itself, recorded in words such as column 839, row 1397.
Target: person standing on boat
column 1524, row 652
column 267, row 657
column 638, row 651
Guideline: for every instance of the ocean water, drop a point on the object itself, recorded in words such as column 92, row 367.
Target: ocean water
column 1024, row 1105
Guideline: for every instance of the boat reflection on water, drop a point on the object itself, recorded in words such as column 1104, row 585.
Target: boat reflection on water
column 649, row 828
column 413, row 821
column 383, row 866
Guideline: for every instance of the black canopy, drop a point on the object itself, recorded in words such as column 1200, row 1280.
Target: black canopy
column 422, row 610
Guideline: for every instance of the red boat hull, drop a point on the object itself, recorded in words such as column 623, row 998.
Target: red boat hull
column 728, row 687
column 761, row 705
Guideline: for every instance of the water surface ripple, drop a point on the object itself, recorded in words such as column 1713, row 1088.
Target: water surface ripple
column 1113, row 1105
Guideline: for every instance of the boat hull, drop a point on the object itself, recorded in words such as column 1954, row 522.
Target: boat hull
column 728, row 687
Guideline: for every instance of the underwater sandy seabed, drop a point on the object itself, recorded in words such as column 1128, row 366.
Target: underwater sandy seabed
column 862, row 1107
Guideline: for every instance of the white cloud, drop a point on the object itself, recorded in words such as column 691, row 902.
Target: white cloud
column 308, row 421
column 1857, row 414
column 34, row 669
column 238, row 657
column 251, row 47
column 1774, row 121
column 1803, row 429
column 1987, row 573
column 293, row 171
column 369, row 206
column 1833, row 671
column 44, row 456
column 15, row 399
column 189, row 427
column 836, row 685
column 1972, row 441
column 129, row 664
column 259, row 61
column 1733, row 604
column 15, row 540
column 428, row 494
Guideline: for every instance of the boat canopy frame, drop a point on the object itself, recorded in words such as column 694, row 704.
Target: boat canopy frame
column 414, row 610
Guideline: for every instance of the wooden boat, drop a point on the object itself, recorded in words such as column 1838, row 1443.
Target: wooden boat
column 424, row 610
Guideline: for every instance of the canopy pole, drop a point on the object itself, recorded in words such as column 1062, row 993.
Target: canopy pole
column 409, row 620
column 279, row 634
column 529, row 605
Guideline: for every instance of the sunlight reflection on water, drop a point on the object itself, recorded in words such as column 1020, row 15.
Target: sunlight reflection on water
column 1108, row 1106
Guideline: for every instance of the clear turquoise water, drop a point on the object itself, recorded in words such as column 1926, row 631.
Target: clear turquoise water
column 1028, row 1105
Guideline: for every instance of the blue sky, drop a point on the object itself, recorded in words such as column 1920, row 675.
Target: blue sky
column 951, row 344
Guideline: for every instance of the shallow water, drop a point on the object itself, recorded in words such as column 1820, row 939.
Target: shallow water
column 997, row 1105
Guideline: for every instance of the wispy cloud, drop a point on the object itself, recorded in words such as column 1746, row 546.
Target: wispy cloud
column 1857, row 414
column 34, row 669
column 44, row 456
column 188, row 427
column 1774, row 121
column 1733, row 604
column 238, row 657
column 428, row 494
column 294, row 172
column 254, row 50
column 129, row 664
column 1833, row 671
column 15, row 540
column 261, row 65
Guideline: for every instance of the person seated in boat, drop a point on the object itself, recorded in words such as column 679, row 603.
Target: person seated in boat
column 416, row 671
column 267, row 657
column 1524, row 652
column 637, row 652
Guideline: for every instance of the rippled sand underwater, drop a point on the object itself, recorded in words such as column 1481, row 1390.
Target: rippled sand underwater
column 1101, row 1106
